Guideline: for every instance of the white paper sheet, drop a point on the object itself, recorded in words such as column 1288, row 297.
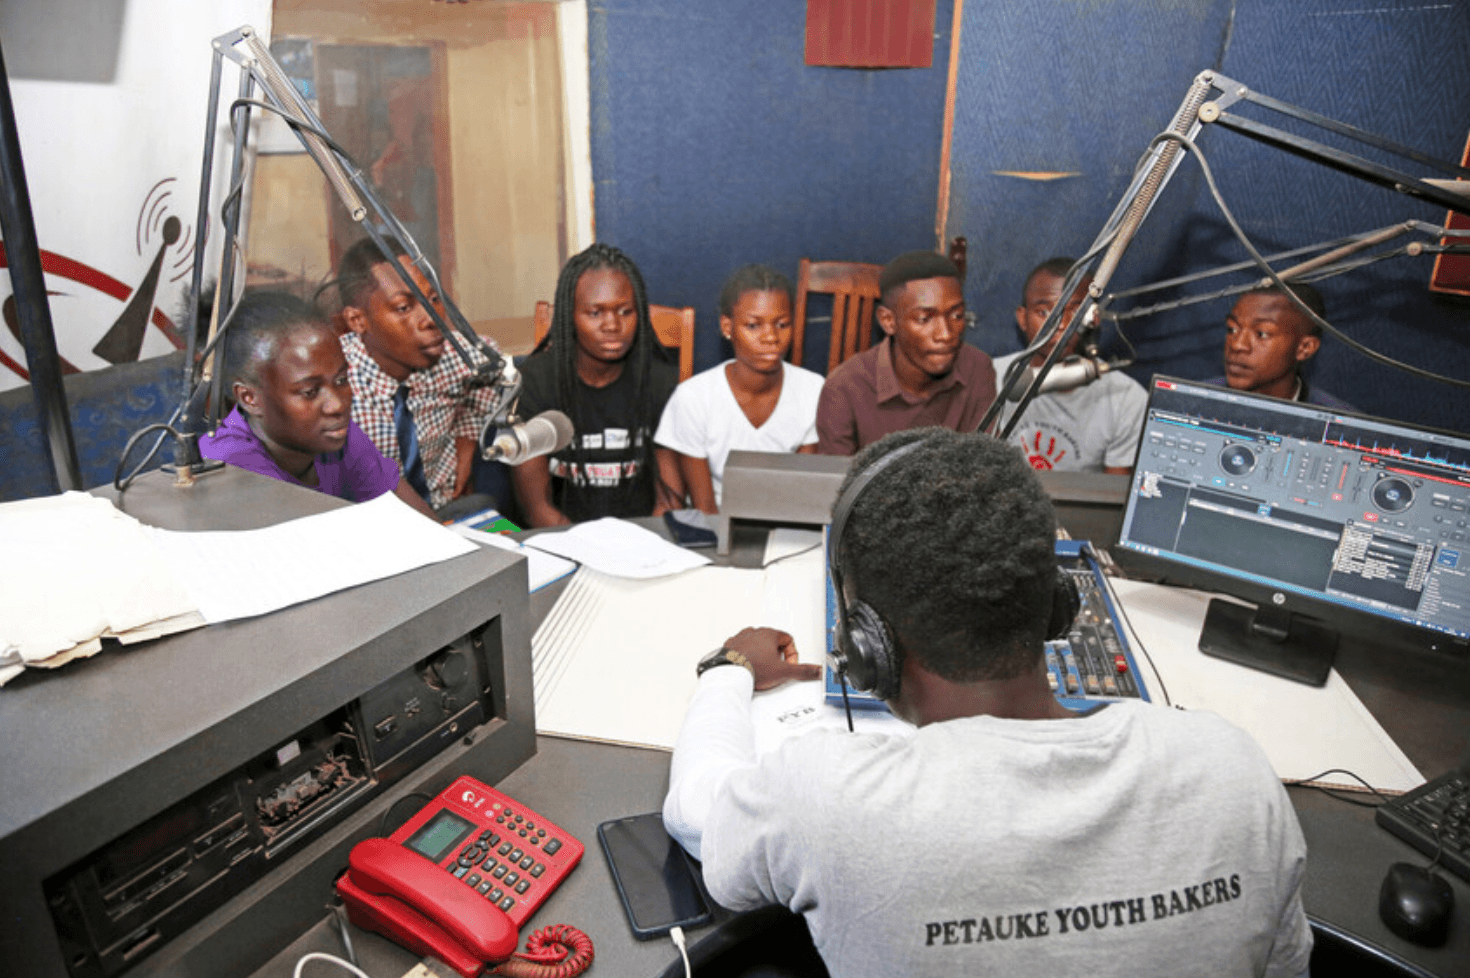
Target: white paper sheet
column 541, row 567
column 252, row 572
column 619, row 549
column 1304, row 730
column 76, row 569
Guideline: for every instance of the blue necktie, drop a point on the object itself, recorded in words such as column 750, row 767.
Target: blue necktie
column 408, row 442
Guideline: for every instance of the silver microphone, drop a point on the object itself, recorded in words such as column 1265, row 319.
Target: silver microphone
column 1065, row 375
column 547, row 432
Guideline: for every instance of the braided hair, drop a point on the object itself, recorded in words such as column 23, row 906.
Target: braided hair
column 637, row 495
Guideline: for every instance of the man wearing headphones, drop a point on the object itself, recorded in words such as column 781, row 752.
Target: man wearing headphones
column 1007, row 834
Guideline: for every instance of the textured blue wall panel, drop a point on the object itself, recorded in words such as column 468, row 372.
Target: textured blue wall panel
column 1084, row 86
column 714, row 145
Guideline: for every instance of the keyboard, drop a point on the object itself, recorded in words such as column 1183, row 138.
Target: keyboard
column 1435, row 819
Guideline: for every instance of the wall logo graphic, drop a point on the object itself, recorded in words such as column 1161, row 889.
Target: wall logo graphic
column 99, row 319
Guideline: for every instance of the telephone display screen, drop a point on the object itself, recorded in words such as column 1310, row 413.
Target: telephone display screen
column 439, row 835
column 654, row 877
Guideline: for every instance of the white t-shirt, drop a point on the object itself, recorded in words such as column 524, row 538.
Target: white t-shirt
column 1081, row 430
column 703, row 419
column 1136, row 840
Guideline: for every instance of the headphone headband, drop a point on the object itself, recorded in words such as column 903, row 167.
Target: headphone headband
column 844, row 506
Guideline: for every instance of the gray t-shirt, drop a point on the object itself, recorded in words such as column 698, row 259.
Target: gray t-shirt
column 1081, row 430
column 1136, row 840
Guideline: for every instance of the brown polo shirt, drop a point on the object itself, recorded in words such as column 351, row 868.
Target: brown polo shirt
column 862, row 399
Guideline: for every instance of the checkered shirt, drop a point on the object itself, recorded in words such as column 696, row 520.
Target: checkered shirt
column 444, row 408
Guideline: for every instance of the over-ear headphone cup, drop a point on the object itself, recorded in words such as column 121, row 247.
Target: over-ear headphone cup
column 1065, row 603
column 872, row 661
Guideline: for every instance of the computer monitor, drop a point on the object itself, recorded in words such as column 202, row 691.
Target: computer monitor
column 1326, row 522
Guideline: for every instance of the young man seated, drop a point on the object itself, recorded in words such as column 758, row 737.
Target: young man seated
column 292, row 419
column 922, row 373
column 414, row 395
column 1092, row 428
column 1267, row 342
column 1006, row 835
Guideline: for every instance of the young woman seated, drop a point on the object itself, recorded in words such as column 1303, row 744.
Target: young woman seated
column 602, row 366
column 292, row 418
column 756, row 401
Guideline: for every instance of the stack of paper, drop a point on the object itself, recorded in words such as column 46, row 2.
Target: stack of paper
column 77, row 571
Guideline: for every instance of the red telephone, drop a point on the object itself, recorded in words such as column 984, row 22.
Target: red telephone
column 458, row 879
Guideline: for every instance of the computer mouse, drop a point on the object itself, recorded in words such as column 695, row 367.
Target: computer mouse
column 1416, row 904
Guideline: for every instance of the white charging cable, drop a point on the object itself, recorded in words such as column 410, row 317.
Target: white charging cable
column 330, row 959
column 677, row 936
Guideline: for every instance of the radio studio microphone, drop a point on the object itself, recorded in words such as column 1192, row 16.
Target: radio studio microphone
column 547, row 432
column 1065, row 375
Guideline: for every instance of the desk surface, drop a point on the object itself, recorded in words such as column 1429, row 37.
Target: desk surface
column 1423, row 703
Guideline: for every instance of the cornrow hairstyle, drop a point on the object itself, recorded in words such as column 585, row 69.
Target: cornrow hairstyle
column 1054, row 266
column 262, row 321
column 639, row 494
column 954, row 547
column 753, row 278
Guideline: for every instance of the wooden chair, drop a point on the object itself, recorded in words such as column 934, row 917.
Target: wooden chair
column 673, row 326
column 854, row 290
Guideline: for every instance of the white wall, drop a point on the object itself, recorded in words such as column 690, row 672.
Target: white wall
column 108, row 163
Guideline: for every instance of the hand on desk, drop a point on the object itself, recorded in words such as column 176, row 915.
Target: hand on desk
column 772, row 656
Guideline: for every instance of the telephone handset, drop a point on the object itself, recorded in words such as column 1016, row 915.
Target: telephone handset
column 459, row 879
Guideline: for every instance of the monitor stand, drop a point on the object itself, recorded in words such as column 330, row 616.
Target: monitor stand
column 1273, row 640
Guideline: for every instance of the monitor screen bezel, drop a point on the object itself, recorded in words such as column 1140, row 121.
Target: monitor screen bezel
column 1350, row 622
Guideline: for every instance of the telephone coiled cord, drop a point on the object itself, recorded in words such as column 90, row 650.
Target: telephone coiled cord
column 558, row 951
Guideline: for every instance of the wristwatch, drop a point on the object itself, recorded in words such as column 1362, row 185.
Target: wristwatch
column 722, row 657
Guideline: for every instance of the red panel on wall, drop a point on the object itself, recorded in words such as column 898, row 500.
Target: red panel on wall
column 870, row 33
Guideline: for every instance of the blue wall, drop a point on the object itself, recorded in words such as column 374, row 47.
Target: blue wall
column 1085, row 86
column 713, row 145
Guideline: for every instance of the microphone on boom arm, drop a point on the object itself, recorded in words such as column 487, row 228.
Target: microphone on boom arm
column 547, row 432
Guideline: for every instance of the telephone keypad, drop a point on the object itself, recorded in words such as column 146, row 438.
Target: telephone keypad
column 494, row 856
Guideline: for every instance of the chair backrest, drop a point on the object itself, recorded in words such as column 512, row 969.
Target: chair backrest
column 854, row 290
column 674, row 327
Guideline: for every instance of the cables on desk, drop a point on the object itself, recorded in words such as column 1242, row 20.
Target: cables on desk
column 677, row 936
column 558, row 951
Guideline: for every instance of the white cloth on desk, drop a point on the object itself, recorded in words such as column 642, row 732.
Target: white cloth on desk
column 1133, row 840
column 703, row 419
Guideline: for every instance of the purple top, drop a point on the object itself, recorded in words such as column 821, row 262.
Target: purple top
column 357, row 473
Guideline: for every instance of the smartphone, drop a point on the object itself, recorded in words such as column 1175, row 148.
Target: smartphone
column 690, row 528
column 654, row 876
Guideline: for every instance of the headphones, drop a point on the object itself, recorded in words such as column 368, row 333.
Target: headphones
column 863, row 650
